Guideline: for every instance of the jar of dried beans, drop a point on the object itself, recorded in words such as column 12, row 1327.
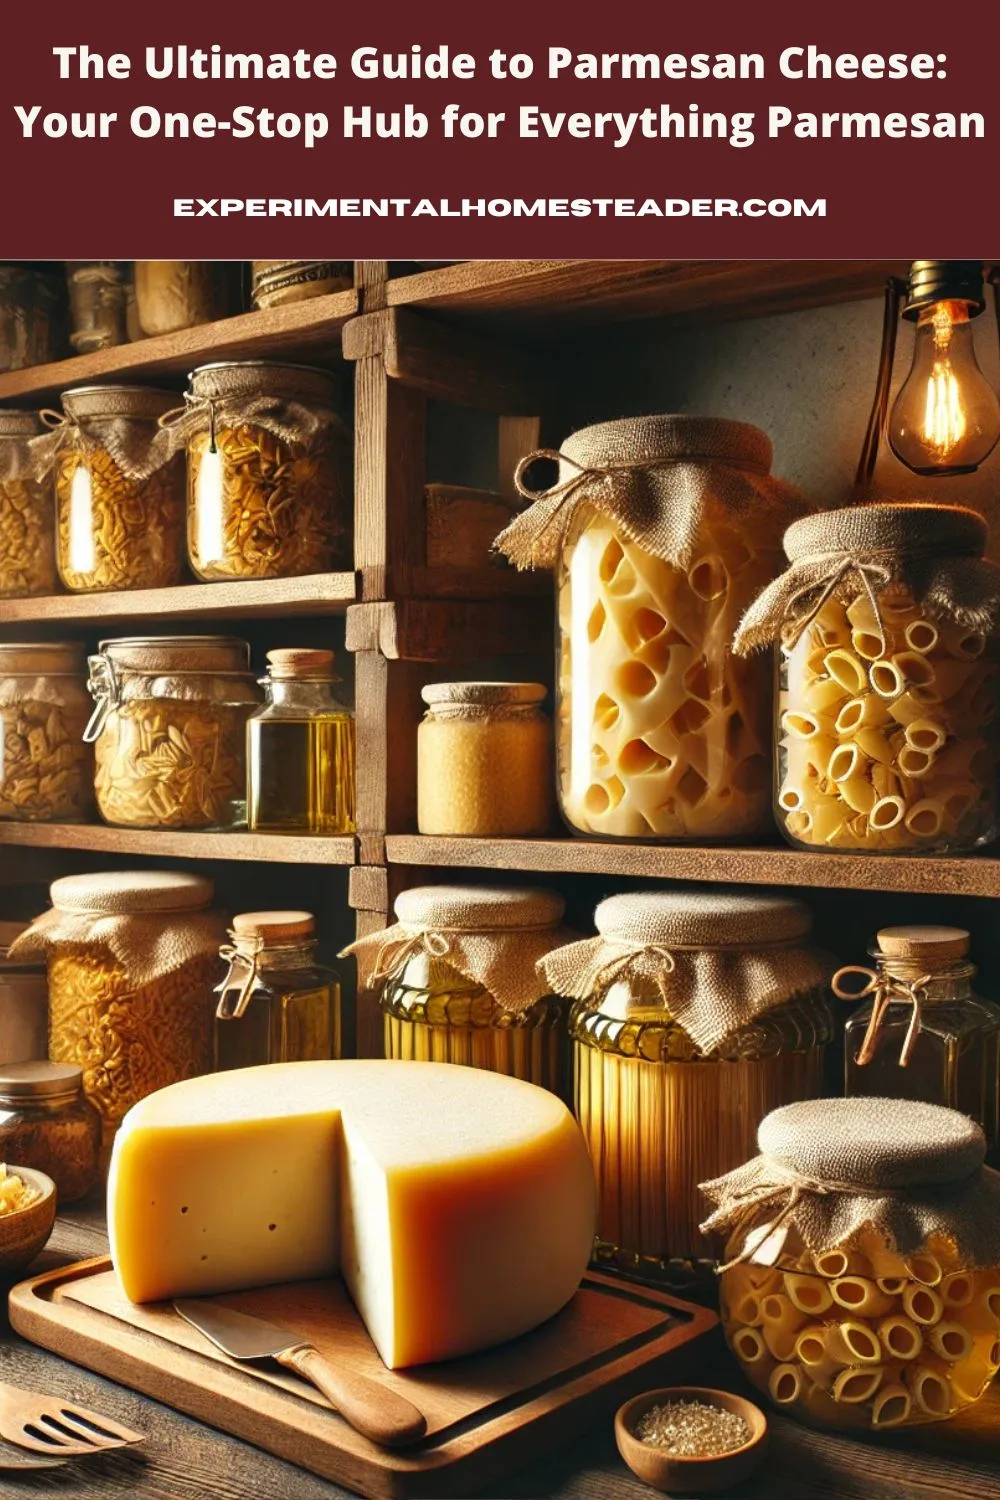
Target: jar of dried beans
column 267, row 492
column 46, row 770
column 862, row 1281
column 132, row 961
column 169, row 730
column 661, row 530
column 119, row 493
column 27, row 516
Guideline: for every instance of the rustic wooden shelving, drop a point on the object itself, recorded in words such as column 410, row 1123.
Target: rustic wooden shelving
column 272, row 598
column 166, row 844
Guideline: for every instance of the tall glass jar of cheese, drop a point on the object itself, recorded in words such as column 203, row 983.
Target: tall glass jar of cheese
column 694, row 1015
column 861, row 1289
column 888, row 736
column 661, row 530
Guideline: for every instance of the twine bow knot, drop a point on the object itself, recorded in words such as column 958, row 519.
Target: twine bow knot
column 395, row 952
column 743, row 1208
column 885, row 988
column 620, row 963
column 871, row 575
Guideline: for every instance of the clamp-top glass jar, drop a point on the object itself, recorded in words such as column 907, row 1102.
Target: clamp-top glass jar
column 27, row 519
column 300, row 749
column 46, row 769
column 277, row 1003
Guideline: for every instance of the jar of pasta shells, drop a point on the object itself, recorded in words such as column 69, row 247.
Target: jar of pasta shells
column 267, row 490
column 862, row 1283
column 169, row 730
column 457, row 979
column 132, row 959
column 888, row 737
column 694, row 1014
column 27, row 516
column 661, row 530
column 46, row 770
column 119, row 493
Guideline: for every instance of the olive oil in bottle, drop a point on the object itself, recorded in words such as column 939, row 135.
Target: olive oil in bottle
column 276, row 1003
column 300, row 750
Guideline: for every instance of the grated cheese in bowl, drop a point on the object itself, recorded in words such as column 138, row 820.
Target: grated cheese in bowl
column 15, row 1193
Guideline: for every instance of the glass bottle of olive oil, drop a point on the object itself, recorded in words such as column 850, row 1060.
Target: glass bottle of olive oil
column 276, row 1003
column 300, row 749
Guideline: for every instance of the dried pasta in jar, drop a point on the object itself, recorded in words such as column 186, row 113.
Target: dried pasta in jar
column 27, row 517
column 46, row 770
column 661, row 530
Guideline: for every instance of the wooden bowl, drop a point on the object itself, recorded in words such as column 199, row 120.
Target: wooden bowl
column 23, row 1234
column 669, row 1472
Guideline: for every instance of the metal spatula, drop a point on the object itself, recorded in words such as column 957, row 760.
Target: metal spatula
column 47, row 1424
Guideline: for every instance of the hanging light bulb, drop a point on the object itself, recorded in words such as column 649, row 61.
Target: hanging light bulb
column 946, row 418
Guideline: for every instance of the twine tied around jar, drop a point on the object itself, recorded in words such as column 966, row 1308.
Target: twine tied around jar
column 293, row 403
column 884, row 988
column 871, row 575
column 116, row 420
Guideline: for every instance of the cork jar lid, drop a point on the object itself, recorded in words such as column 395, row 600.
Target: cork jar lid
column 274, row 926
column 132, row 892
column 298, row 664
column 930, row 947
column 710, row 918
column 479, row 908
column 482, row 694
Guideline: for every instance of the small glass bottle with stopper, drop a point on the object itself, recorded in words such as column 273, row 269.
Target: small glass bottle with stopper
column 300, row 749
column 276, row 1003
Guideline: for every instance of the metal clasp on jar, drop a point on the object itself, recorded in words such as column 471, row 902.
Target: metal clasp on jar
column 105, row 689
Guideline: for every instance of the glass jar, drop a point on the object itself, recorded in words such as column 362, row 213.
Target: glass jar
column 175, row 294
column 119, row 499
column 169, row 730
column 96, row 304
column 27, row 516
column 300, row 749
column 24, row 1004
column 46, row 770
column 870, row 1299
column 46, row 1123
column 267, row 496
column 277, row 1003
column 923, row 1034
column 694, row 1015
column 276, row 282
column 32, row 314
column 484, row 760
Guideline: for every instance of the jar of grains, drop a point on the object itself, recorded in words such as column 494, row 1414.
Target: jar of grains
column 694, row 1014
column 46, row 769
column 169, row 730
column 27, row 513
column 484, row 759
column 267, row 490
column 457, row 979
column 132, row 959
column 862, row 1284
column 46, row 1123
column 119, row 493
column 661, row 531
column 32, row 314
column 175, row 294
column 888, row 735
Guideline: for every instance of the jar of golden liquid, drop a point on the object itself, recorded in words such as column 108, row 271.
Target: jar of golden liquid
column 300, row 749
column 694, row 1014
column 861, row 1289
column 277, row 1003
column 27, row 514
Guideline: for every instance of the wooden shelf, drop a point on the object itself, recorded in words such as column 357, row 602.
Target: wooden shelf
column 978, row 875
column 315, row 594
column 278, row 848
column 309, row 329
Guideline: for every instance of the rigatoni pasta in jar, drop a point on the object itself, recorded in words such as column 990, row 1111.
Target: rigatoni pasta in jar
column 661, row 530
column 862, row 1283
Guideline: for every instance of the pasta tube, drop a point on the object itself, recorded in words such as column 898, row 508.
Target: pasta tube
column 957, row 1289
column 900, row 1337
column 950, row 1340
column 868, row 712
column 784, row 1385
column 807, row 1293
column 925, row 1268
column 777, row 1311
column 746, row 1309
column 861, row 1296
column 852, row 1343
column 887, row 679
column 891, row 1406
column 811, row 1352
column 834, row 1263
column 924, row 734
column 779, row 1339
column 887, row 813
column 930, row 1387
column 855, row 1386
column 749, row 1346
column 868, row 644
column 893, row 1286
column 923, row 1305
column 846, row 669
column 926, row 817
column 922, row 636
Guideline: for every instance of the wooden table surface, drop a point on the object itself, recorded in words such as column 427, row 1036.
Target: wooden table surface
column 183, row 1460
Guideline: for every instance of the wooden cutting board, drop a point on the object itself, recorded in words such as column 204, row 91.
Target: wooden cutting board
column 486, row 1414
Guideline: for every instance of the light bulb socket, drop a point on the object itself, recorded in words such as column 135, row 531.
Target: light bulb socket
column 933, row 281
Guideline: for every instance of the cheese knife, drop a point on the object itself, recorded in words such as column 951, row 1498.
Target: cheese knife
column 372, row 1409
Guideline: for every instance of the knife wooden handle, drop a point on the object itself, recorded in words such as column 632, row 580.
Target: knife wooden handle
column 382, row 1415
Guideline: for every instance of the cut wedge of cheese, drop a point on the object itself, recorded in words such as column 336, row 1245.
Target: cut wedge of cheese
column 458, row 1204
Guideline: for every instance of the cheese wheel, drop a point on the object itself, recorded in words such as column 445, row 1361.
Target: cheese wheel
column 457, row 1204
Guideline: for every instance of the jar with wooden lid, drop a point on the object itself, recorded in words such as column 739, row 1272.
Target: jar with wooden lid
column 169, row 730
column 46, row 769
column 27, row 515
column 277, row 1003
column 32, row 314
column 24, row 1004
column 97, row 304
column 457, row 979
column 861, row 1289
column 694, row 1014
column 922, row 1033
column 119, row 491
column 484, row 760
column 660, row 530
column 47, row 1123
column 275, row 282
column 300, row 749
column 175, row 294
column 888, row 736
column 132, row 956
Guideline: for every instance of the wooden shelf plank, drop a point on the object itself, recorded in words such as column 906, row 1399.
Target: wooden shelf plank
column 309, row 328
column 167, row 844
column 315, row 594
column 978, row 875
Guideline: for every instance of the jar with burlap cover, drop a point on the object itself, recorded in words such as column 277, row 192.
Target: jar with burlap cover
column 888, row 735
column 661, row 531
column 695, row 1013
column 268, row 495
column 46, row 769
column 132, row 958
column 27, row 521
column 458, row 980
column 862, row 1284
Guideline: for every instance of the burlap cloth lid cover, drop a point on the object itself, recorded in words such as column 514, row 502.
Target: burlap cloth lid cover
column 295, row 403
column 153, row 921
column 38, row 670
column 660, row 479
column 492, row 935
column 200, row 668
column 120, row 420
column 720, row 958
column 834, row 1168
column 935, row 551
column 17, row 428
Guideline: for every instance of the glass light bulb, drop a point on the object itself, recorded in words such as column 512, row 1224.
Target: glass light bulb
column 946, row 418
